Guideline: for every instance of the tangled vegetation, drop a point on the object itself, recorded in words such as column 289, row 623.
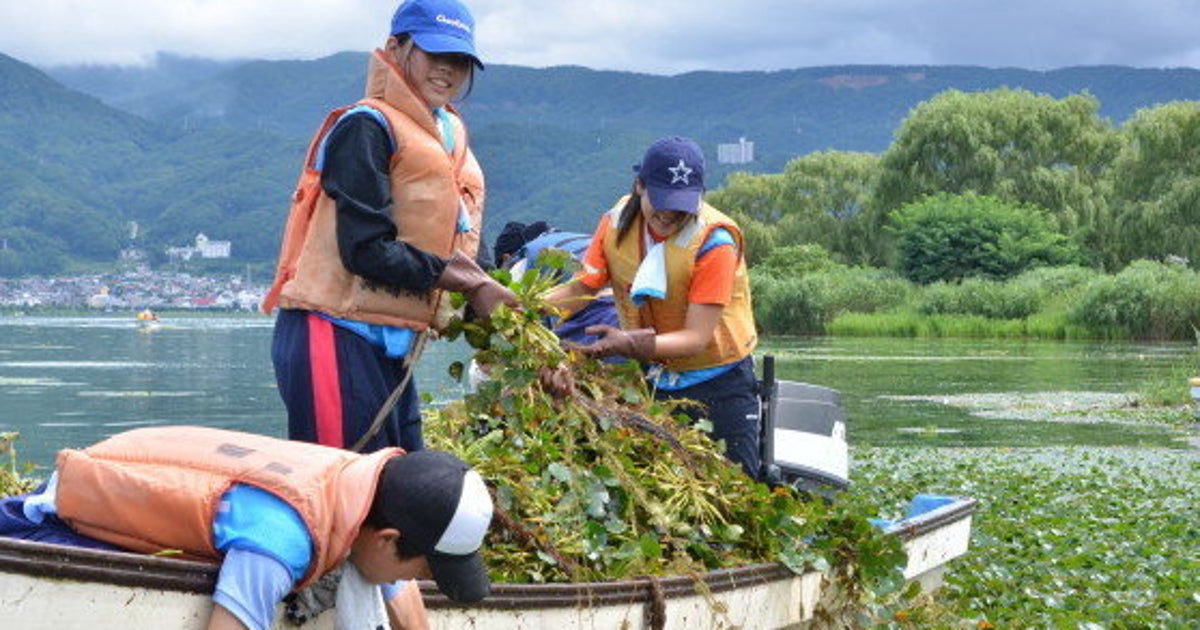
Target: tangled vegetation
column 14, row 476
column 601, row 482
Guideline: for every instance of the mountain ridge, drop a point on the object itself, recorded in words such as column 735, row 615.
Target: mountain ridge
column 194, row 145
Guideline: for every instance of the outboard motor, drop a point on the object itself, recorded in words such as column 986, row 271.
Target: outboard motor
column 803, row 439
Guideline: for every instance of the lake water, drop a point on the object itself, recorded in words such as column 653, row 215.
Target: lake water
column 70, row 381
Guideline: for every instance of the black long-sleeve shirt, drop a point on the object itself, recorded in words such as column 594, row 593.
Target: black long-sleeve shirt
column 356, row 177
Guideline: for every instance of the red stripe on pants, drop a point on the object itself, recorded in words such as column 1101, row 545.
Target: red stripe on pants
column 327, row 392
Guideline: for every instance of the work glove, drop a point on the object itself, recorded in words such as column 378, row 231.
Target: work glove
column 557, row 380
column 301, row 607
column 635, row 344
column 482, row 291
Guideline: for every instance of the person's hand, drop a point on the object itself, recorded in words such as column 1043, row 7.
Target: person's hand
column 482, row 291
column 487, row 296
column 406, row 611
column 635, row 344
column 558, row 380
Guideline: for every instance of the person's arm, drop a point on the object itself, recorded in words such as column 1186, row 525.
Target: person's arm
column 571, row 297
column 249, row 588
column 406, row 610
column 222, row 619
column 579, row 291
column 697, row 331
column 645, row 344
column 356, row 175
column 712, row 286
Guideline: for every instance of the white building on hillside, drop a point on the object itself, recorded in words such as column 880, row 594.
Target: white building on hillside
column 204, row 248
column 741, row 152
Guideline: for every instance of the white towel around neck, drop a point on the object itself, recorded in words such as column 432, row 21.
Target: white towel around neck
column 650, row 281
column 359, row 603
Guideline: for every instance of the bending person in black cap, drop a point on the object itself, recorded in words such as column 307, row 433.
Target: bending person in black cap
column 677, row 269
column 278, row 515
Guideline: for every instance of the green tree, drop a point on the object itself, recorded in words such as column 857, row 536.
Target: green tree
column 751, row 196
column 1156, row 185
column 1010, row 144
column 759, row 238
column 817, row 199
column 26, row 252
column 795, row 260
column 949, row 237
column 823, row 196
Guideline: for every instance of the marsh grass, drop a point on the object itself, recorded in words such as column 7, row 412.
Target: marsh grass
column 911, row 324
column 1146, row 301
column 1171, row 389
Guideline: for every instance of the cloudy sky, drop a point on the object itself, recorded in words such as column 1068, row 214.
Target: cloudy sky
column 653, row 36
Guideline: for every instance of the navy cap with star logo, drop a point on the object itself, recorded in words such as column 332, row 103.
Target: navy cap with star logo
column 672, row 170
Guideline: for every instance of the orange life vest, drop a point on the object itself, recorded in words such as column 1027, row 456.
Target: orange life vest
column 157, row 489
column 735, row 336
column 430, row 189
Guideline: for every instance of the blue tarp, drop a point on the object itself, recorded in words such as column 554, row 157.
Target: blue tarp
column 920, row 505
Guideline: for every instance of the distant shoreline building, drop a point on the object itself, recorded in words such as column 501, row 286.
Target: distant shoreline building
column 741, row 152
column 204, row 248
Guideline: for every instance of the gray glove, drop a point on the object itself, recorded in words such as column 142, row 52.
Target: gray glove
column 301, row 607
column 482, row 291
column 635, row 344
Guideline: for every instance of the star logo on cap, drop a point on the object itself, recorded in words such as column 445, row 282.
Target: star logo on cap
column 680, row 173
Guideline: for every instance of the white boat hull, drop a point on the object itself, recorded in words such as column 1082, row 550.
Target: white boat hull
column 51, row 586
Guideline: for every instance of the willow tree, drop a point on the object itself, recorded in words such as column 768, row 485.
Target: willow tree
column 1156, row 185
column 753, row 201
column 824, row 194
column 1010, row 144
column 817, row 199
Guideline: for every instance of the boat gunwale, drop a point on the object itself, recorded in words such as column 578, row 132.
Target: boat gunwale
column 122, row 568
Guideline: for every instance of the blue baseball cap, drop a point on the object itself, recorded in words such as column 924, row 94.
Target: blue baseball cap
column 673, row 173
column 437, row 26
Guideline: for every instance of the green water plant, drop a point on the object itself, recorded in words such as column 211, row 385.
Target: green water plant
column 1066, row 538
column 14, row 475
column 595, row 480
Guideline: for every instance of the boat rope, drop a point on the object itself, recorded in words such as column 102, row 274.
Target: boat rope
column 655, row 613
column 410, row 364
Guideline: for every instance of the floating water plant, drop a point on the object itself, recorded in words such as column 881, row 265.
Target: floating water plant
column 594, row 480
column 14, row 476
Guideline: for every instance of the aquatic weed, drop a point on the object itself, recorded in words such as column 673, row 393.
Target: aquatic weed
column 603, row 482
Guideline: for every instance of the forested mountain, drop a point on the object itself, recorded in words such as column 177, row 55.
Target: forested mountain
column 193, row 146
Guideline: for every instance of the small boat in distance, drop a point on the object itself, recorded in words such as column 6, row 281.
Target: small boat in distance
column 147, row 320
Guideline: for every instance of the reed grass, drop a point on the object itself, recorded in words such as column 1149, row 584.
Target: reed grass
column 1147, row 301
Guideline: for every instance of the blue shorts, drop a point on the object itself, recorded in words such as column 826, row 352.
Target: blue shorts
column 333, row 382
column 730, row 402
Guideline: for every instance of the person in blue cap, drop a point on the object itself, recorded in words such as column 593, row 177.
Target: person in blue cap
column 395, row 228
column 367, row 265
column 677, row 270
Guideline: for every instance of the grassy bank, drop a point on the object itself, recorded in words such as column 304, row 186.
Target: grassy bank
column 1145, row 301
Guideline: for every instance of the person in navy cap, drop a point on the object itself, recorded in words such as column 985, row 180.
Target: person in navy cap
column 368, row 263
column 677, row 269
